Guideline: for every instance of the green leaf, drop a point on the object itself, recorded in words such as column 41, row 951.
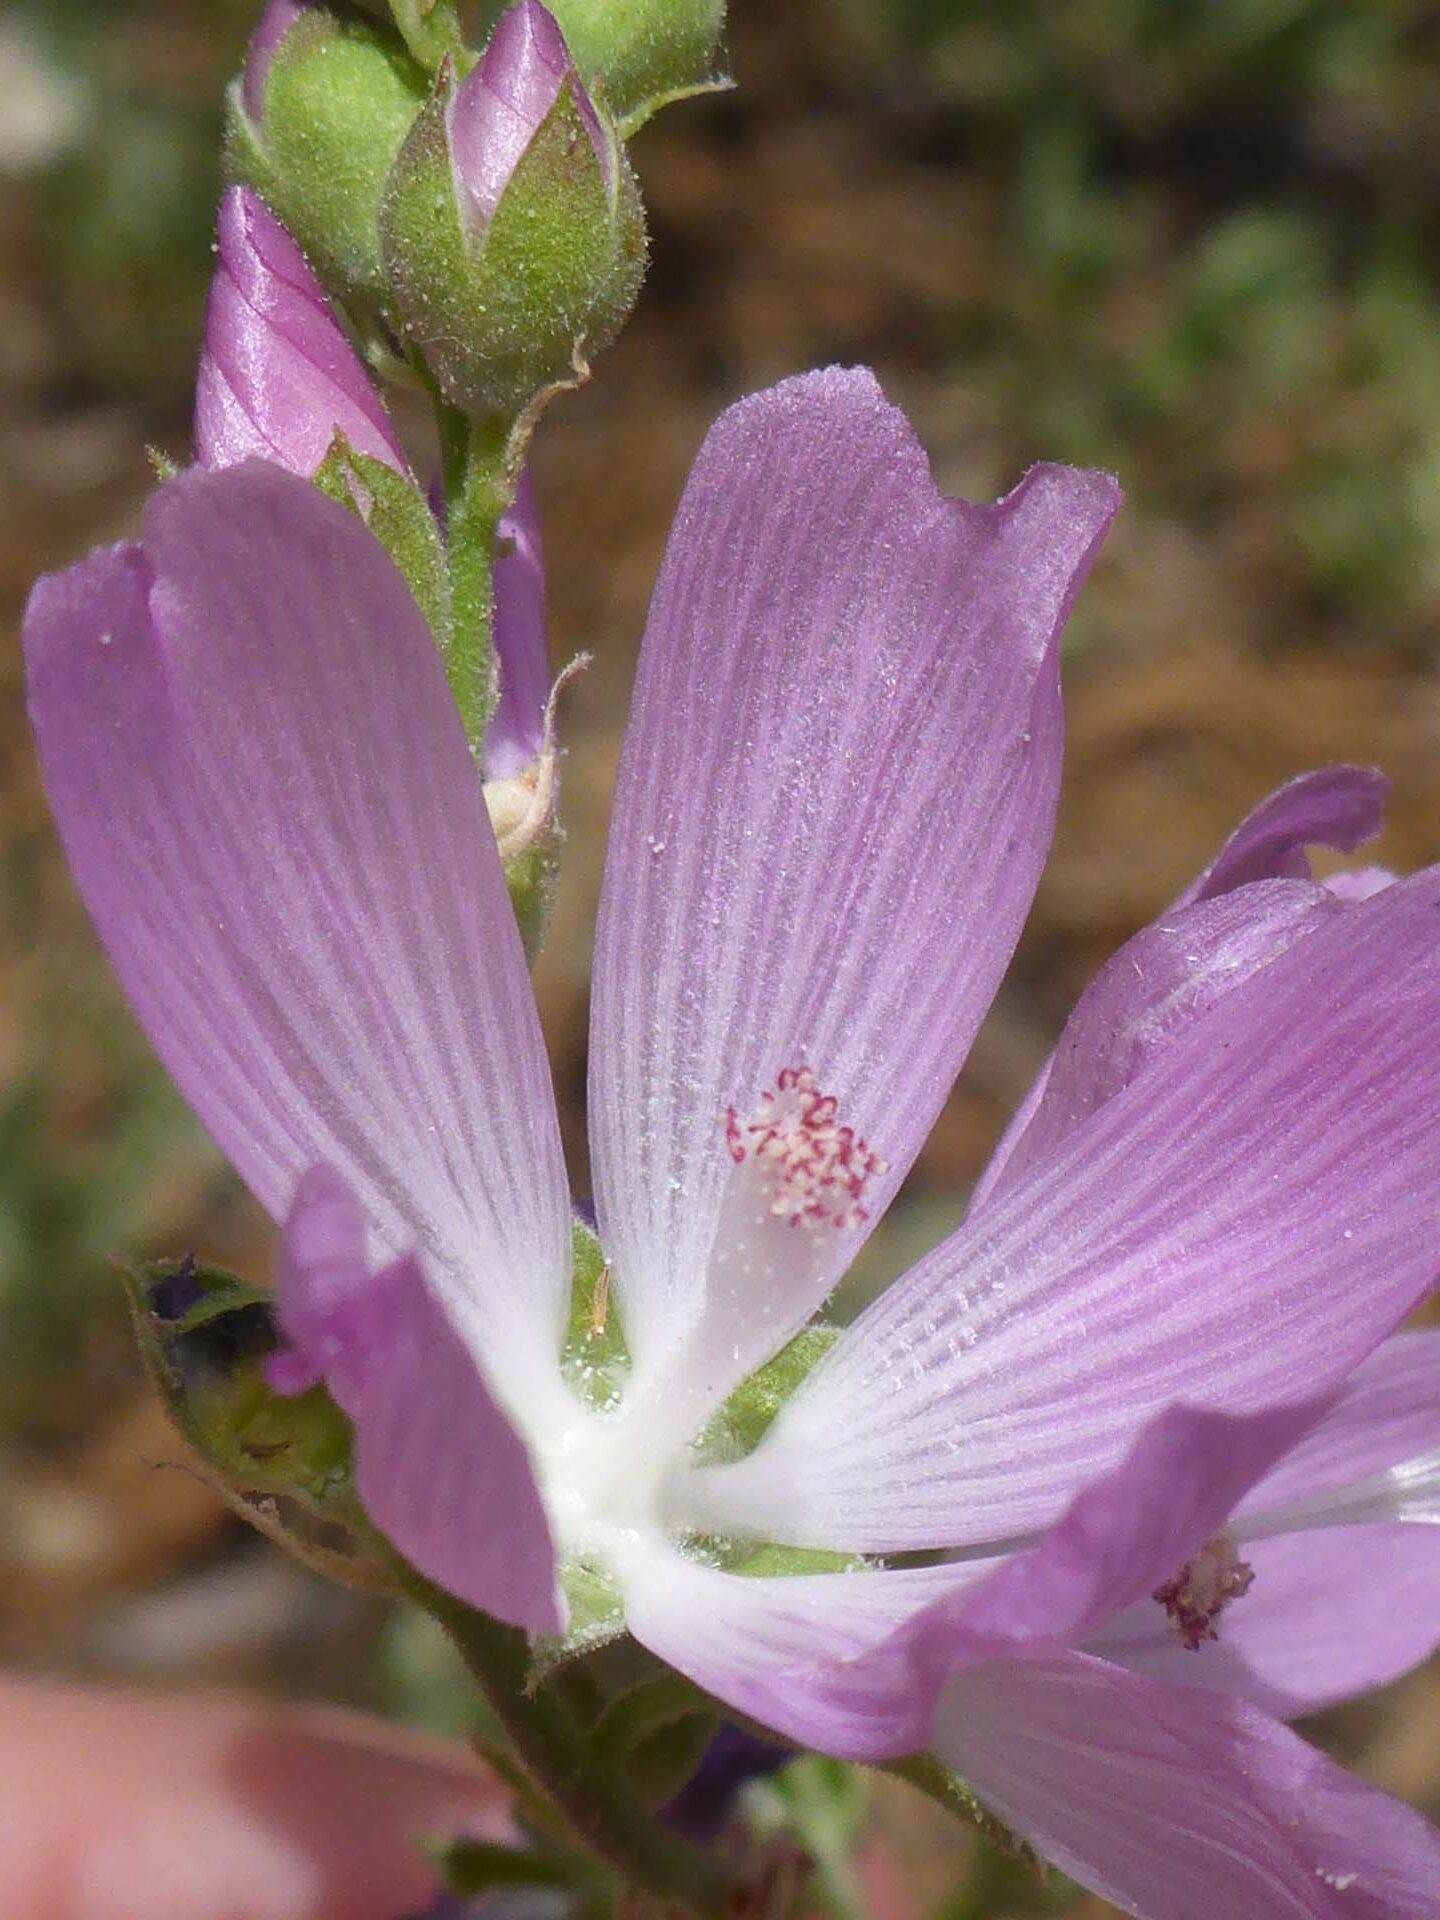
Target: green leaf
column 470, row 1868
column 398, row 514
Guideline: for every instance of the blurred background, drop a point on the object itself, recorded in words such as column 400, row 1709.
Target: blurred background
column 1193, row 243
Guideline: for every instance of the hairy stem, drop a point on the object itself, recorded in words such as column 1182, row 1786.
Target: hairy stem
column 589, row 1790
column 479, row 485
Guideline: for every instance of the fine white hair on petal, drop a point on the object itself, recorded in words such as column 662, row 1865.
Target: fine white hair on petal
column 836, row 794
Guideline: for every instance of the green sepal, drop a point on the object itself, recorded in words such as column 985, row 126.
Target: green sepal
column 596, row 1358
column 930, row 1775
column 161, row 465
column 743, row 1421
column 283, row 1462
column 769, row 1561
column 628, row 125
column 467, row 1869
column 595, row 1361
column 597, row 1618
column 656, row 1730
column 209, row 1366
column 430, row 28
column 532, row 877
column 398, row 514
column 643, row 53
column 513, row 312
column 340, row 96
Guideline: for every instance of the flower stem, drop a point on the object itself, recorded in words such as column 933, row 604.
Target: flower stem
column 577, row 1780
column 476, row 461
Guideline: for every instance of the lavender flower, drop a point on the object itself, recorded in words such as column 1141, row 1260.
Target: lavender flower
column 278, row 379
column 1153, row 1362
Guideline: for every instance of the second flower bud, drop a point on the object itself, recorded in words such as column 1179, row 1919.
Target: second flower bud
column 510, row 226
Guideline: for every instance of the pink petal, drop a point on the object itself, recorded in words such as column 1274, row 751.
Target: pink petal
column 1328, row 1615
column 780, row 1648
column 278, row 378
column 1335, row 1611
column 1180, row 1805
column 1387, row 1412
column 1164, row 979
column 269, row 805
column 1240, row 1229
column 1339, row 807
column 836, row 794
column 439, row 1469
column 1124, row 1536
column 1360, row 882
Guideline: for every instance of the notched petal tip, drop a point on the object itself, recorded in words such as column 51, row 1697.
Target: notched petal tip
column 1083, row 500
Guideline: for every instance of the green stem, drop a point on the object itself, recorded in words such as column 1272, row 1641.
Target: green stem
column 479, row 486
column 562, row 1764
column 429, row 28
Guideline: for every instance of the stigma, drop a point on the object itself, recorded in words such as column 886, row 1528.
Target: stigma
column 812, row 1169
column 1203, row 1588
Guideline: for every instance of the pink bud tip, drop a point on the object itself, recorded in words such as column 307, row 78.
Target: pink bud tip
column 278, row 378
column 500, row 108
column 275, row 22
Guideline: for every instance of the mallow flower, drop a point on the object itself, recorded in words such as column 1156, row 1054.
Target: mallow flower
column 1123, row 1473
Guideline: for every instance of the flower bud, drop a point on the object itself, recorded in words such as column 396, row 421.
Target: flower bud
column 511, row 225
column 314, row 124
column 643, row 53
column 278, row 379
column 206, row 1339
column 275, row 22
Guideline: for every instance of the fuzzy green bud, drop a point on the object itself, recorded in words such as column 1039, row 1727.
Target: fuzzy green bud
column 314, row 124
column 282, row 1461
column 511, row 225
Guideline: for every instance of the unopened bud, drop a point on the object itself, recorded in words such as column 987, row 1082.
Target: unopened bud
column 275, row 22
column 206, row 1337
column 511, row 225
column 278, row 379
column 314, row 124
